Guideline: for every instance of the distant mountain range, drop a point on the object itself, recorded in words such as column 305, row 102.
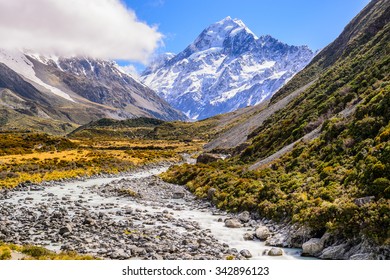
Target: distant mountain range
column 56, row 94
column 227, row 67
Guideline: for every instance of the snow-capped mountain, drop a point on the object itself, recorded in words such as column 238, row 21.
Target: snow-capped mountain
column 227, row 67
column 75, row 90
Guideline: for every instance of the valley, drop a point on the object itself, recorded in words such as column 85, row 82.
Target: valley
column 286, row 156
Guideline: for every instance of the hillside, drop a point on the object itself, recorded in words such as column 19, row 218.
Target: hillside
column 55, row 95
column 321, row 161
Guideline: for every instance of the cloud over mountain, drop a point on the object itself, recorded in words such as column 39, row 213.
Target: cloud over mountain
column 98, row 28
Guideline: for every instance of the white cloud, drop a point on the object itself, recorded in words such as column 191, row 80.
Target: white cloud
column 97, row 28
column 130, row 69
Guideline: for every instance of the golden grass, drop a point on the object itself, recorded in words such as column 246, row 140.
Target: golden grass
column 38, row 253
column 88, row 158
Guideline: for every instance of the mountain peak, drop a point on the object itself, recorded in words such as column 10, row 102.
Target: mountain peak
column 215, row 35
column 230, row 21
column 225, row 68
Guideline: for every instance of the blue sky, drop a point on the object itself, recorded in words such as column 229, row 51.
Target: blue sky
column 315, row 23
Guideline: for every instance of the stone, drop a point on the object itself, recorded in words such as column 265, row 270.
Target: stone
column 211, row 193
column 178, row 195
column 248, row 236
column 334, row 252
column 65, row 230
column 312, row 247
column 245, row 253
column 207, row 158
column 233, row 223
column 363, row 200
column 363, row 256
column 262, row 233
column 244, row 217
column 275, row 252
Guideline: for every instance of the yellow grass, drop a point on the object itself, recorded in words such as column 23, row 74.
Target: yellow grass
column 88, row 159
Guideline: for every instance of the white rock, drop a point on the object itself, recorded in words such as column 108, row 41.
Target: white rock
column 275, row 252
column 262, row 233
column 233, row 223
column 312, row 247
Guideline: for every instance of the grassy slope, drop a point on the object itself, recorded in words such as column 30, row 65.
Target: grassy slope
column 317, row 184
column 39, row 157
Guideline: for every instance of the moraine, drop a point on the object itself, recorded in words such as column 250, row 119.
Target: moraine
column 98, row 216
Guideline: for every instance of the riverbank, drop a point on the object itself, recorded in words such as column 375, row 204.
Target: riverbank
column 132, row 216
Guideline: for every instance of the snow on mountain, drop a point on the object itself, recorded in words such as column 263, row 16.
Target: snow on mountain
column 19, row 63
column 100, row 85
column 227, row 67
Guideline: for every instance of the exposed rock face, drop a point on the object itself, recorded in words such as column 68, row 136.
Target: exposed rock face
column 73, row 91
column 364, row 200
column 208, row 157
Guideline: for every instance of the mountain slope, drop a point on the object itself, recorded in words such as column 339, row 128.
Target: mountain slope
column 227, row 67
column 320, row 164
column 75, row 90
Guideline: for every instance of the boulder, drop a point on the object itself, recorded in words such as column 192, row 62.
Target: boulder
column 244, row 217
column 65, row 230
column 207, row 158
column 233, row 223
column 312, row 247
column 334, row 252
column 248, row 236
column 275, row 252
column 262, row 233
column 245, row 253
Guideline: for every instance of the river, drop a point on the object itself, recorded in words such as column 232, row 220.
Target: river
column 152, row 212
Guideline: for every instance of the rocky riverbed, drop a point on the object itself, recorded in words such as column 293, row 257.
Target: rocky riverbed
column 135, row 215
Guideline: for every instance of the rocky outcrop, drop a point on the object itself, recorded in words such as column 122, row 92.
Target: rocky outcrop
column 208, row 157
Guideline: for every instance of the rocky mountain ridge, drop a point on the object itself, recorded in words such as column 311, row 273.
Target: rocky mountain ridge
column 72, row 91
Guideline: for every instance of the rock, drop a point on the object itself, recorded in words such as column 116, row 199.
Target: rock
column 65, row 230
column 178, row 195
column 363, row 256
column 262, row 233
column 233, row 223
column 334, row 252
column 297, row 236
column 312, row 247
column 89, row 221
column 248, row 236
column 207, row 158
column 211, row 193
column 244, row 217
column 363, row 200
column 245, row 253
column 275, row 252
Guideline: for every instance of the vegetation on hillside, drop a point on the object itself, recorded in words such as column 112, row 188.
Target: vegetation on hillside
column 147, row 128
column 30, row 252
column 340, row 181
column 36, row 157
